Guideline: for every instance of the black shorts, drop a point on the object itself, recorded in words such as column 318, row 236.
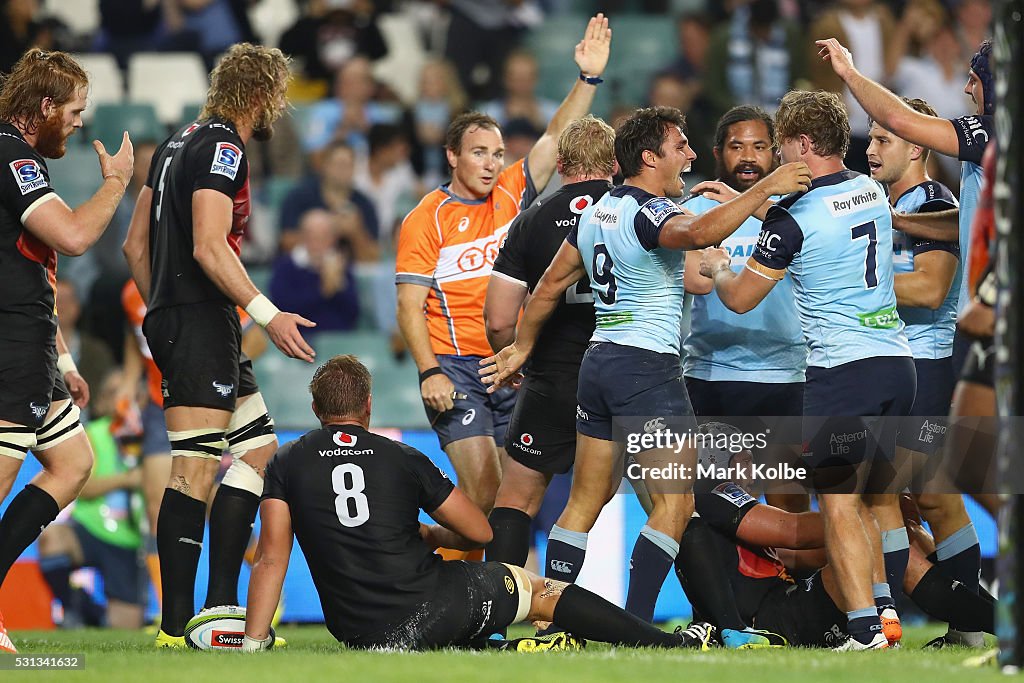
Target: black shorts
column 120, row 568
column 29, row 382
column 924, row 431
column 803, row 613
column 473, row 601
column 480, row 413
column 198, row 349
column 618, row 381
column 981, row 364
column 542, row 432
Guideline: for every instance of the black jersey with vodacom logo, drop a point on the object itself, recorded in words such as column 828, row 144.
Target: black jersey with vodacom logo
column 205, row 154
column 534, row 238
column 354, row 499
column 28, row 268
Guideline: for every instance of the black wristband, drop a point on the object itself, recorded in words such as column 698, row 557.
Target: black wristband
column 591, row 80
column 436, row 370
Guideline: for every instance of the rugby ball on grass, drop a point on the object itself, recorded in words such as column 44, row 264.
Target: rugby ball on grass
column 218, row 628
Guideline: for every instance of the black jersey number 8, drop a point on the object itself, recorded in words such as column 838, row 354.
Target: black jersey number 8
column 603, row 276
column 351, row 504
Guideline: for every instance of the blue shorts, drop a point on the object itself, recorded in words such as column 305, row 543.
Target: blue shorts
column 836, row 401
column 154, row 431
column 627, row 381
column 925, row 430
column 480, row 413
column 745, row 399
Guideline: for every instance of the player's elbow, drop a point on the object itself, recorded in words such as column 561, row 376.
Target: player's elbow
column 74, row 244
column 739, row 305
column 204, row 254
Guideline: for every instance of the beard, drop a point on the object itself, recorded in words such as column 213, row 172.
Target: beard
column 732, row 179
column 263, row 133
column 51, row 143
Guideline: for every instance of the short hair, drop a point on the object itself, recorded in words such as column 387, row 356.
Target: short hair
column 462, row 123
column 381, row 135
column 921, row 107
column 340, row 387
column 644, row 129
column 587, row 147
column 742, row 114
column 819, row 115
column 37, row 75
column 245, row 71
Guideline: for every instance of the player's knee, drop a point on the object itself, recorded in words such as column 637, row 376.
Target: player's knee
column 251, row 430
column 242, row 475
column 191, row 447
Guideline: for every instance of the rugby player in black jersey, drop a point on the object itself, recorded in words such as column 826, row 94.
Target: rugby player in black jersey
column 541, row 437
column 41, row 105
column 183, row 249
column 352, row 499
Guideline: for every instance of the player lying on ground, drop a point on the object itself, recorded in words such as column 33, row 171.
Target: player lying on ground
column 352, row 498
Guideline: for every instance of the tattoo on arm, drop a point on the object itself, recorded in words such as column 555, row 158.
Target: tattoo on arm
column 180, row 483
column 552, row 587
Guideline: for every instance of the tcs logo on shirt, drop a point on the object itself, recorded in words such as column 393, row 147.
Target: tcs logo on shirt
column 470, row 259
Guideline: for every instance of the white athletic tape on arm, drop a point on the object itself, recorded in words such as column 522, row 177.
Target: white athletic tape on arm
column 262, row 310
column 66, row 364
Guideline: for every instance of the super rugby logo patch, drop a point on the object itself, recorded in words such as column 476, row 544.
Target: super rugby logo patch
column 226, row 160
column 28, row 175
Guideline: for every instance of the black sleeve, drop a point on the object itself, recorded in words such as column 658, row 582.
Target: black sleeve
column 218, row 162
column 651, row 217
column 973, row 132
column 724, row 507
column 151, row 176
column 780, row 240
column 937, row 198
column 511, row 261
column 435, row 486
column 23, row 180
column 275, row 476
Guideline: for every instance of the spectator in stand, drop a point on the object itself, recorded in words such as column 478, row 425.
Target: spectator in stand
column 520, row 99
column 974, row 25
column 520, row 135
column 868, row 28
column 332, row 189
column 440, row 99
column 694, row 31
column 92, row 356
column 330, row 33
column 315, row 279
column 387, row 178
column 353, row 109
column 668, row 90
column 755, row 58
column 22, row 27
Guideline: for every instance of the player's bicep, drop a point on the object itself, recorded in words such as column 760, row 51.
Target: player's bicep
column 565, row 270
column 459, row 514
column 137, row 239
column 52, row 221
column 693, row 281
column 928, row 131
column 275, row 530
column 411, row 296
column 939, row 265
column 505, row 296
column 211, row 217
column 768, row 526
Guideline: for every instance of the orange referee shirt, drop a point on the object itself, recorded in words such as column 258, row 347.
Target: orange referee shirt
column 449, row 245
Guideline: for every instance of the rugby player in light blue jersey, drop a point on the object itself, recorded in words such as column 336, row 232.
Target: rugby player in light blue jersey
column 836, row 242
column 630, row 243
column 928, row 274
column 963, row 138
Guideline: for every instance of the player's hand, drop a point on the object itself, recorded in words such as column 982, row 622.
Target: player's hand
column 791, row 177
column 502, row 368
column 121, row 165
column 977, row 320
column 592, row 52
column 78, row 388
column 716, row 190
column 284, row 332
column 714, row 259
column 838, row 56
column 437, row 391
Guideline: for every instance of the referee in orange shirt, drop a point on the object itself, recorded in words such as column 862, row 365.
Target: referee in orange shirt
column 446, row 248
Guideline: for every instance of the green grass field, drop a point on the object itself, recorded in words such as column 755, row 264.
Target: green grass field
column 312, row 656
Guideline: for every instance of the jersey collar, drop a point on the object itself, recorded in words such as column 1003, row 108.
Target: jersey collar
column 833, row 178
column 462, row 200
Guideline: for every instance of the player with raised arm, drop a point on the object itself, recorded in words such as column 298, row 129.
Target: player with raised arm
column 183, row 249
column 835, row 240
column 541, row 439
column 41, row 105
column 629, row 244
column 352, row 499
column 446, row 249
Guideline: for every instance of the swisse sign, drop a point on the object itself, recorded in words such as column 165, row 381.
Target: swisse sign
column 227, row 638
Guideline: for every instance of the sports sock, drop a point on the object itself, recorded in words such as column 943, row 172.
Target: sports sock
column 590, row 616
column 231, row 518
column 29, row 512
column 949, row 600
column 701, row 576
column 511, row 542
column 179, row 538
column 566, row 552
column 652, row 558
column 863, row 624
column 883, row 596
column 56, row 570
column 896, row 548
column 959, row 556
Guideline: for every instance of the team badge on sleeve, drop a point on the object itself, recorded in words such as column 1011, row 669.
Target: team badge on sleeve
column 28, row 175
column 733, row 493
column 226, row 160
column 659, row 209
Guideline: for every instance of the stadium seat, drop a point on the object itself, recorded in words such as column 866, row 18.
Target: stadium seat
column 271, row 18
column 400, row 69
column 190, row 113
column 283, row 382
column 169, row 81
column 106, row 82
column 111, row 120
column 81, row 16
column 76, row 176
